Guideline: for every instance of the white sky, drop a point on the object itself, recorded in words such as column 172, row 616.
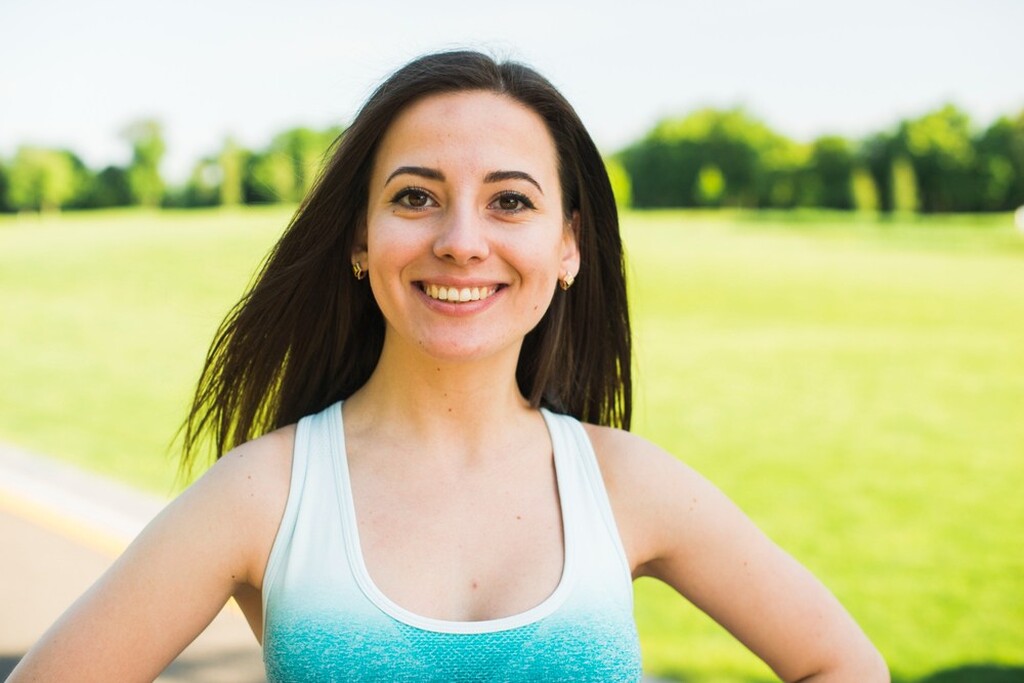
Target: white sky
column 74, row 72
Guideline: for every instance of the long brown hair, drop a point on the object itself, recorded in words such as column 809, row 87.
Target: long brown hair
column 307, row 333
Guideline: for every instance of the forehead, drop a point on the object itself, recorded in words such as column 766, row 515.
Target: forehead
column 474, row 131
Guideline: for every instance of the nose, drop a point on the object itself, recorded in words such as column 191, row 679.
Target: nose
column 461, row 237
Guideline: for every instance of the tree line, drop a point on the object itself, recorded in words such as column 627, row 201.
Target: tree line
column 934, row 163
column 44, row 179
column 937, row 162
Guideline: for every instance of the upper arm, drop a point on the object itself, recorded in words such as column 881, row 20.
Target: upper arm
column 679, row 528
column 174, row 577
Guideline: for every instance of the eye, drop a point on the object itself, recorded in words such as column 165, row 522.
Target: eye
column 512, row 202
column 413, row 198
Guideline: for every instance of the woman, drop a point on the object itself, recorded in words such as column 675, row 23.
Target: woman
column 424, row 504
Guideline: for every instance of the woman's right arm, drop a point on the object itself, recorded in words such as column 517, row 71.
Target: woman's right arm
column 175, row 577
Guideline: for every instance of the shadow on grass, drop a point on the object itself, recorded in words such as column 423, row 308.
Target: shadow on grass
column 971, row 673
column 967, row 673
column 7, row 664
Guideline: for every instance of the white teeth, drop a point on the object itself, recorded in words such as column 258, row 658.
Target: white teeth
column 442, row 293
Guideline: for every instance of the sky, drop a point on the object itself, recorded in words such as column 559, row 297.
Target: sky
column 73, row 74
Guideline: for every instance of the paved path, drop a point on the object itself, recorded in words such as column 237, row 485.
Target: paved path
column 60, row 529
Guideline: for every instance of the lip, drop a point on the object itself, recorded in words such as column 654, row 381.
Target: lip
column 459, row 308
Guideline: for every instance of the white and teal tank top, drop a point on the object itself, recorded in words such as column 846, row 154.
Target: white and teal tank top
column 325, row 619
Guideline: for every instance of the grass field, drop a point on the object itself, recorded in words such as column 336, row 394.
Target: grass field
column 856, row 386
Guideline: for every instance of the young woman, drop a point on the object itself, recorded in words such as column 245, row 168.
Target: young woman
column 437, row 356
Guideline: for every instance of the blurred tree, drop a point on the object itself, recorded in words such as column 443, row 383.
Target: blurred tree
column 5, row 205
column 662, row 171
column 232, row 163
column 831, row 166
column 148, row 148
column 42, row 179
column 665, row 165
column 876, row 154
column 621, row 185
column 783, row 174
column 904, row 186
column 710, row 185
column 269, row 177
column 110, row 187
column 863, row 190
column 999, row 165
column 288, row 167
column 306, row 148
column 940, row 149
column 1016, row 155
column 203, row 186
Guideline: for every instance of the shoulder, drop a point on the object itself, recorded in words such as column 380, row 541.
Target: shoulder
column 654, row 495
column 256, row 468
column 248, row 488
column 262, row 460
column 634, row 464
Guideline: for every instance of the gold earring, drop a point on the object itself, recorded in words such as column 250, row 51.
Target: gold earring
column 358, row 271
column 566, row 282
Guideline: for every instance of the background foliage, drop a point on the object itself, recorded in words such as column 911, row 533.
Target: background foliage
column 935, row 163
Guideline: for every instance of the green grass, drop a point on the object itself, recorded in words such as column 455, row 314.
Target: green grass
column 856, row 386
column 106, row 320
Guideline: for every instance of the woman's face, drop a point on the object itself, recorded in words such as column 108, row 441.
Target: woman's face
column 466, row 236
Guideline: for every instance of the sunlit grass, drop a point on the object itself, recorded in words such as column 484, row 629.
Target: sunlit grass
column 106, row 320
column 859, row 390
column 856, row 386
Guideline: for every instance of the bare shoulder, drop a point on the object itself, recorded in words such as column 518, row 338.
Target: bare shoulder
column 264, row 462
column 249, row 487
column 652, row 491
column 632, row 465
column 626, row 453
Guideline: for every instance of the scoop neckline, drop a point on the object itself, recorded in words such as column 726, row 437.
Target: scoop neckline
column 369, row 588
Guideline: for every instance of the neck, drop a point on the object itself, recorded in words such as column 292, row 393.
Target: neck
column 460, row 406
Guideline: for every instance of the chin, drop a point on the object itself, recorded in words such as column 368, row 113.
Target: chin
column 467, row 350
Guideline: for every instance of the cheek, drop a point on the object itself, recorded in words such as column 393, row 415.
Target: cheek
column 389, row 243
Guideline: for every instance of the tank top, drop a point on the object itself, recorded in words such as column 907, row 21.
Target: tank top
column 325, row 619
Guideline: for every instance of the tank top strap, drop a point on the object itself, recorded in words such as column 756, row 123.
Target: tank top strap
column 311, row 492
column 580, row 477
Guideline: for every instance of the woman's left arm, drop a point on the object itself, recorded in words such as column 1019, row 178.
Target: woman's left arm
column 679, row 528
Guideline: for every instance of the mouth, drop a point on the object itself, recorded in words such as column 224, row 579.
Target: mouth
column 457, row 295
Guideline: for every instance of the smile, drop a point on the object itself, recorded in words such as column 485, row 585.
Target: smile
column 457, row 294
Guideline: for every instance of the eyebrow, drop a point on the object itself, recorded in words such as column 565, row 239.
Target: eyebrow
column 498, row 176
column 422, row 171
column 434, row 174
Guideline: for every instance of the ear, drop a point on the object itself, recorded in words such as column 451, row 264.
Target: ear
column 570, row 246
column 359, row 250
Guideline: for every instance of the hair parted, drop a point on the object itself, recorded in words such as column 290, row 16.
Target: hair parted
column 307, row 333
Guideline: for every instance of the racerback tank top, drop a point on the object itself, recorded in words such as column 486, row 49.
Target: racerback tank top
column 325, row 619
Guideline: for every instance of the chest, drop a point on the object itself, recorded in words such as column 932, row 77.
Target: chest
column 477, row 547
column 329, row 617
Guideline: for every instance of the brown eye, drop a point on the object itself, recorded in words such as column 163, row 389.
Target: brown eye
column 509, row 203
column 512, row 202
column 412, row 198
column 416, row 199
